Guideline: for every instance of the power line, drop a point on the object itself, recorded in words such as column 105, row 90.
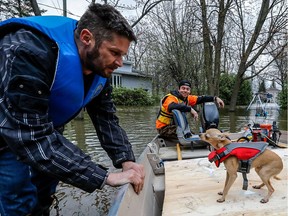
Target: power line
column 58, row 8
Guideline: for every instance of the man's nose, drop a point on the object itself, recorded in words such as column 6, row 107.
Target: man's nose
column 119, row 61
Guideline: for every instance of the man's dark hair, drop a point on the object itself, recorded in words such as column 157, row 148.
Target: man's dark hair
column 184, row 82
column 102, row 21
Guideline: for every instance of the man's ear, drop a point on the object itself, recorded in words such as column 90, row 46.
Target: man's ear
column 86, row 37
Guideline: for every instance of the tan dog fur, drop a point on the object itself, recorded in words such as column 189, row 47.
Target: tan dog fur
column 267, row 165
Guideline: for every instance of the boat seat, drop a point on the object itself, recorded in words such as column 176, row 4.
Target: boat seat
column 209, row 116
column 183, row 131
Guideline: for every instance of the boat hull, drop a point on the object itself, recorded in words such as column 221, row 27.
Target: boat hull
column 148, row 202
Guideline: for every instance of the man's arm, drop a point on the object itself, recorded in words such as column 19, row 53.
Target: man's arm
column 114, row 140
column 27, row 69
column 111, row 135
column 205, row 98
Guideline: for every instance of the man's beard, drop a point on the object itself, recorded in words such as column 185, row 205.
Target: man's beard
column 93, row 63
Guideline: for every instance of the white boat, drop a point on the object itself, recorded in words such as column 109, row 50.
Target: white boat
column 267, row 106
column 181, row 181
column 189, row 186
column 263, row 102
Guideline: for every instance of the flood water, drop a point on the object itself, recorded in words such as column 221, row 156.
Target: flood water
column 139, row 123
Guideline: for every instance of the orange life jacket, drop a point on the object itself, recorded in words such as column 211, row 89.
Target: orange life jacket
column 165, row 117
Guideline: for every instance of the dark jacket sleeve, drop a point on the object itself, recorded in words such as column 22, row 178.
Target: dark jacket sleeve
column 180, row 107
column 204, row 99
column 112, row 136
column 187, row 108
column 27, row 69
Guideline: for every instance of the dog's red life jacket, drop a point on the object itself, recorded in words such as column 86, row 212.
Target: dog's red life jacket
column 244, row 151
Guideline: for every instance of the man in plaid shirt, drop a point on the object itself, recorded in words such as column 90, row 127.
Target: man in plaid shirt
column 50, row 68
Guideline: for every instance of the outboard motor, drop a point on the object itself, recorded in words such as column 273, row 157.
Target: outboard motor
column 209, row 116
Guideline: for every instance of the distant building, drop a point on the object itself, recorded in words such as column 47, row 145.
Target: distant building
column 126, row 77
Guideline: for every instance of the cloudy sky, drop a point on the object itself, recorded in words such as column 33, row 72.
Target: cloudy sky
column 75, row 8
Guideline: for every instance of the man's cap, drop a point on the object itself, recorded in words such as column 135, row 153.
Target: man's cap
column 184, row 82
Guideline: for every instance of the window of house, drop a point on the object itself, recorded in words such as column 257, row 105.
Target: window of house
column 116, row 80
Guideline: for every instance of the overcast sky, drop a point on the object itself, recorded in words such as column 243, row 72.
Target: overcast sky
column 75, row 8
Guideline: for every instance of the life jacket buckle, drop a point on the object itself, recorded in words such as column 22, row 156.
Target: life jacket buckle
column 244, row 166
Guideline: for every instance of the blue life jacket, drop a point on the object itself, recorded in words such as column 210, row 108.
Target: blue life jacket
column 67, row 91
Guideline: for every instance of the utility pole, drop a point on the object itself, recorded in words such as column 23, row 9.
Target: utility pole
column 65, row 8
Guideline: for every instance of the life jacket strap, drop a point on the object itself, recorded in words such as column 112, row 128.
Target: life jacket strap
column 218, row 156
column 245, row 181
column 244, row 168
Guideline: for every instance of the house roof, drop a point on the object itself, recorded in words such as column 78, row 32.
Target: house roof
column 127, row 69
column 130, row 73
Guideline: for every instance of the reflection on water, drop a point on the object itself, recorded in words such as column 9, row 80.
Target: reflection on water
column 139, row 124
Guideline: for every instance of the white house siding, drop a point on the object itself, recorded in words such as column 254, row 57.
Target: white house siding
column 132, row 82
column 126, row 77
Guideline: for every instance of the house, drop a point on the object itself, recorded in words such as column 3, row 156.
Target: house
column 127, row 77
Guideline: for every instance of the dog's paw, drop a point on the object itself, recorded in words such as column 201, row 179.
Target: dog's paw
column 256, row 186
column 264, row 200
column 220, row 200
column 220, row 193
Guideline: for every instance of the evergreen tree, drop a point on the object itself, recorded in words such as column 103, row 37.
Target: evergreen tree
column 227, row 81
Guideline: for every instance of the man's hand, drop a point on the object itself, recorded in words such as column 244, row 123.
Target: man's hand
column 194, row 114
column 139, row 168
column 132, row 173
column 219, row 102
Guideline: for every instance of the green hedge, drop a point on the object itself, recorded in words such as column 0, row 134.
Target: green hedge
column 132, row 97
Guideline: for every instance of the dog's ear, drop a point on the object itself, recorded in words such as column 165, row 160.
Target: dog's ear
column 223, row 137
column 221, row 140
column 207, row 136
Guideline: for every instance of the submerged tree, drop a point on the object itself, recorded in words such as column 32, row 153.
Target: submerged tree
column 213, row 41
column 271, row 20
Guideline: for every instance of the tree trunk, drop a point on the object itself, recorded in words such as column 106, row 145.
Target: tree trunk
column 246, row 54
column 235, row 92
column 35, row 7
column 208, row 70
column 218, row 45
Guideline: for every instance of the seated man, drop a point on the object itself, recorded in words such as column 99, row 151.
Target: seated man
column 181, row 100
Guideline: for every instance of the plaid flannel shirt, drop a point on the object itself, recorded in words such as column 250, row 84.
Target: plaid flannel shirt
column 27, row 64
